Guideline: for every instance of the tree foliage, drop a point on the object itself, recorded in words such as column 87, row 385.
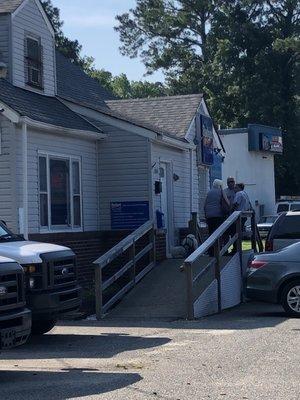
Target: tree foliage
column 244, row 55
column 122, row 87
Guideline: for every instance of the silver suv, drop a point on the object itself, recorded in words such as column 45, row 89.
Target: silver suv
column 285, row 231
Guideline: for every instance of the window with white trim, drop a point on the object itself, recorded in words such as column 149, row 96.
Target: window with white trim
column 34, row 61
column 60, row 196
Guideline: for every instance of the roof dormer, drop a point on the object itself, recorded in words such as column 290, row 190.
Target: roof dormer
column 31, row 46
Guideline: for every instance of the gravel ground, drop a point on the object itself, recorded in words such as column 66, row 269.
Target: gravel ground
column 251, row 352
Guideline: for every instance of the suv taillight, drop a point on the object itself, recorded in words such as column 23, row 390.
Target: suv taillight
column 255, row 264
column 269, row 245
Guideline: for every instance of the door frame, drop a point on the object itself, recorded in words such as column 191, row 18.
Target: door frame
column 170, row 234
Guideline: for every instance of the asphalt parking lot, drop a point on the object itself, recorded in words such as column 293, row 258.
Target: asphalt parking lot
column 250, row 352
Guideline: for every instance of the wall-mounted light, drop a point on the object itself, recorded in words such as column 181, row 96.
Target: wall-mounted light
column 175, row 177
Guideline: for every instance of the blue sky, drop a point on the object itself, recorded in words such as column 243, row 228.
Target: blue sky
column 92, row 22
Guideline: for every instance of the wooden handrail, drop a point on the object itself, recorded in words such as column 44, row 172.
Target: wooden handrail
column 123, row 245
column 128, row 243
column 214, row 243
column 214, row 237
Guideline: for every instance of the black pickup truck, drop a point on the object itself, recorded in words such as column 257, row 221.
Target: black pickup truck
column 50, row 278
column 15, row 318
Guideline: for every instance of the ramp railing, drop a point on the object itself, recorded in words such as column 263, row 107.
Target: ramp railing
column 214, row 276
column 123, row 266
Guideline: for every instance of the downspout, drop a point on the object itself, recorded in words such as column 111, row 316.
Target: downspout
column 191, row 180
column 25, row 177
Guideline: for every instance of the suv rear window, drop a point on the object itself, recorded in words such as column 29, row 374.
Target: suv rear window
column 289, row 228
column 282, row 208
column 295, row 207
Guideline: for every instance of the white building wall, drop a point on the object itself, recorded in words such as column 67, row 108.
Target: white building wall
column 254, row 169
column 60, row 145
column 29, row 20
column 124, row 170
column 7, row 173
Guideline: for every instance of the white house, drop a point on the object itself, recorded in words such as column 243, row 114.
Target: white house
column 250, row 159
column 80, row 167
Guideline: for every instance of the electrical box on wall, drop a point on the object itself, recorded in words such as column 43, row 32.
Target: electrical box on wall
column 158, row 187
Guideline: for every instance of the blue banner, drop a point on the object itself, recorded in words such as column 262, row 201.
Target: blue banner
column 129, row 214
column 207, row 140
column 216, row 168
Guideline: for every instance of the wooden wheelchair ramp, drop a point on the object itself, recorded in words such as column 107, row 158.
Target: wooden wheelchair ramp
column 129, row 283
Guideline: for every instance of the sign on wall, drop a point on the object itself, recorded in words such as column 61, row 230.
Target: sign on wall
column 271, row 143
column 215, row 171
column 265, row 138
column 128, row 214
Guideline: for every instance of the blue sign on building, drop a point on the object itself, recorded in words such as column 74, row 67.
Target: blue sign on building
column 129, row 214
column 216, row 169
column 265, row 138
column 204, row 140
column 207, row 140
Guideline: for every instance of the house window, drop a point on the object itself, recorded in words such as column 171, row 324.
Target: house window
column 34, row 62
column 60, row 192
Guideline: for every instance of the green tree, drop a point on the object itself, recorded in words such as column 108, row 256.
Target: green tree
column 122, row 87
column 242, row 54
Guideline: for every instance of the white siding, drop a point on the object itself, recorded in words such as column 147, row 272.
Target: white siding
column 30, row 20
column 4, row 39
column 124, row 166
column 7, row 174
column 180, row 164
column 64, row 145
column 254, row 169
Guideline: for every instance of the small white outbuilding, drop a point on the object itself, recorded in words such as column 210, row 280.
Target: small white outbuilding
column 250, row 154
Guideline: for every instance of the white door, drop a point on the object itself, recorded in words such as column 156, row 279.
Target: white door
column 165, row 198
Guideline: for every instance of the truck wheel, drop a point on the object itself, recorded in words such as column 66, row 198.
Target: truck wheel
column 290, row 299
column 39, row 327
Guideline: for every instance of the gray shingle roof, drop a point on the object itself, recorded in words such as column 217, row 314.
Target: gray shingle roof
column 75, row 85
column 164, row 115
column 42, row 108
column 9, row 6
column 171, row 114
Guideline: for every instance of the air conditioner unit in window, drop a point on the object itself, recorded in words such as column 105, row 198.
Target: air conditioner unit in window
column 34, row 76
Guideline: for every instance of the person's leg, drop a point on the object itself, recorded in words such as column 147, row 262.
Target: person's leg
column 211, row 223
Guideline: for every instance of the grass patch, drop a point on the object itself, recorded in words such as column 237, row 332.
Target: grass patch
column 246, row 245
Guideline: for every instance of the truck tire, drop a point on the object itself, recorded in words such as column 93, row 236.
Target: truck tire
column 39, row 327
column 290, row 299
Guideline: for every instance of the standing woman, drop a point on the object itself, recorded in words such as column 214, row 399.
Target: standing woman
column 215, row 206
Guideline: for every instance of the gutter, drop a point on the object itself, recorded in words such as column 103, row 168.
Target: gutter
column 25, row 177
column 63, row 130
column 191, row 180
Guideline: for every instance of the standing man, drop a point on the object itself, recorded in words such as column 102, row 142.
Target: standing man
column 241, row 201
column 230, row 191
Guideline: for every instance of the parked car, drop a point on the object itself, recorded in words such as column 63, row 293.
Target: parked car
column 275, row 277
column 285, row 231
column 265, row 225
column 15, row 318
column 50, row 278
column 284, row 206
